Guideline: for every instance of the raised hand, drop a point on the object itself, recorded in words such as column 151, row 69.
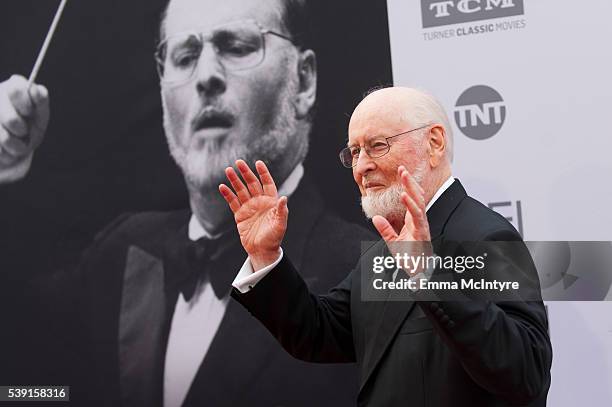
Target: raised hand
column 24, row 115
column 415, row 232
column 260, row 215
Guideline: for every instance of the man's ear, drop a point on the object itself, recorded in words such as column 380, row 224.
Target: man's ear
column 437, row 145
column 307, row 75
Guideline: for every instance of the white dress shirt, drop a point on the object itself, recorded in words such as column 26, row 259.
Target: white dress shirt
column 247, row 278
column 195, row 322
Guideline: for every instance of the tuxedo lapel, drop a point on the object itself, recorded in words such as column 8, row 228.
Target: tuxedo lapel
column 306, row 206
column 387, row 316
column 441, row 211
column 233, row 362
column 141, row 329
column 147, row 303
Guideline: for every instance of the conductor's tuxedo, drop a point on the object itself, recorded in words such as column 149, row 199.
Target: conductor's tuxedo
column 130, row 280
column 412, row 352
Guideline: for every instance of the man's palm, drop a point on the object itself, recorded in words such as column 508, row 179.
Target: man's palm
column 260, row 225
column 260, row 215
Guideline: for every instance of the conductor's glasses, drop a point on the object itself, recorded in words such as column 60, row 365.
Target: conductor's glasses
column 239, row 45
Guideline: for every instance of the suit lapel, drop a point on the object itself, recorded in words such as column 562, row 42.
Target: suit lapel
column 141, row 329
column 395, row 309
column 441, row 211
column 385, row 317
column 233, row 362
column 147, row 302
column 307, row 205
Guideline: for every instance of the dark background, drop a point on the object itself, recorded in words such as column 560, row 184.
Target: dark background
column 105, row 152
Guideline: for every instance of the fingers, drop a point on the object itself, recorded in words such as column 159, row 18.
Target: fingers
column 16, row 105
column 253, row 184
column 269, row 187
column 282, row 210
column 411, row 219
column 241, row 191
column 413, row 198
column 24, row 115
column 11, row 145
column 416, row 218
column 411, row 186
column 16, row 170
column 10, row 119
column 384, row 228
column 18, row 95
column 231, row 198
column 6, row 159
column 38, row 127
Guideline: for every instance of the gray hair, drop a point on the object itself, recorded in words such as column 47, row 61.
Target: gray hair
column 427, row 109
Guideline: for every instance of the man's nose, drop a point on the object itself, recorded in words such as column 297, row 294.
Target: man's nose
column 210, row 73
column 364, row 164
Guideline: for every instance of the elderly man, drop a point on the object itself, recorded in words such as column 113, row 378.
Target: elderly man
column 237, row 80
column 411, row 352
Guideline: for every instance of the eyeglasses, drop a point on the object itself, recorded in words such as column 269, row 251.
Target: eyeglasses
column 239, row 45
column 374, row 148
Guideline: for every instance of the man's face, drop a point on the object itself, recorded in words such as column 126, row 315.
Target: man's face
column 377, row 178
column 220, row 115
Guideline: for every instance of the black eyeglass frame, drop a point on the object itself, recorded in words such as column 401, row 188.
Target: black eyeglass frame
column 368, row 151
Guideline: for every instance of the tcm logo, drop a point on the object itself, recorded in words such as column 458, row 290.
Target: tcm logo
column 480, row 112
column 444, row 12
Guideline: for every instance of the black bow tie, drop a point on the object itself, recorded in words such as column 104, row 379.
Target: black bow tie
column 206, row 259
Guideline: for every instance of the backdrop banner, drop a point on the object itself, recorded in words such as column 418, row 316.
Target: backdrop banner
column 129, row 82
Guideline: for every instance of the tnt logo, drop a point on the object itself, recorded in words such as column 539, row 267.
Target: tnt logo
column 480, row 112
column 444, row 12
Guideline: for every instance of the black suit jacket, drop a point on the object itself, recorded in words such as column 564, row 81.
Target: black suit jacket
column 127, row 305
column 417, row 353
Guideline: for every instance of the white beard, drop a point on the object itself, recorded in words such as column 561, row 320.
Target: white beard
column 387, row 203
column 203, row 169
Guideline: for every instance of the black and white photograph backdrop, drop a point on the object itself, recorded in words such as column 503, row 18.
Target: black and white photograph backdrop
column 147, row 101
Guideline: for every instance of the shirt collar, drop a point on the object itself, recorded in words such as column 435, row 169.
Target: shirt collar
column 440, row 191
column 197, row 231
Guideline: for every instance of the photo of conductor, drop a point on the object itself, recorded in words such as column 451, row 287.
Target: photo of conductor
column 152, row 322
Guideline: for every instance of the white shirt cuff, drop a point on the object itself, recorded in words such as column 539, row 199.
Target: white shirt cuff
column 247, row 278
